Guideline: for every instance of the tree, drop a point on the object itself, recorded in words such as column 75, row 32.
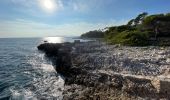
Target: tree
column 93, row 34
column 139, row 19
column 158, row 24
column 131, row 22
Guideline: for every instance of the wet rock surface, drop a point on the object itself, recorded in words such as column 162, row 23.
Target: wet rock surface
column 96, row 71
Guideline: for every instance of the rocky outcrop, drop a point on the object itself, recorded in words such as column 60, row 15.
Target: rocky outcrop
column 60, row 54
column 94, row 71
column 50, row 49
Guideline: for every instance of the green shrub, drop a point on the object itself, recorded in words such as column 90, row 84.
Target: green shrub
column 131, row 38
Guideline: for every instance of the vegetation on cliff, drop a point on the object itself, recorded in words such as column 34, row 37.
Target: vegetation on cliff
column 93, row 34
column 143, row 30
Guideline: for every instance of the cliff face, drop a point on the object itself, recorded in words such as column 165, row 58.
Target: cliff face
column 96, row 71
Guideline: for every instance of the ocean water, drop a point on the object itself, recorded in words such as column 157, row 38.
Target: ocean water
column 25, row 73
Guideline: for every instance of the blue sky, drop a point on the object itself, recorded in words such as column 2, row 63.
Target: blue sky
column 41, row 18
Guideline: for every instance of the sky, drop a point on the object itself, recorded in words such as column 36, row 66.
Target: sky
column 42, row 18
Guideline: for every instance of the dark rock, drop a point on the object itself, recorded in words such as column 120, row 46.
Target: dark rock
column 139, row 87
column 50, row 49
column 60, row 55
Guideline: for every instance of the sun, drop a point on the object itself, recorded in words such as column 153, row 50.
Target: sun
column 48, row 5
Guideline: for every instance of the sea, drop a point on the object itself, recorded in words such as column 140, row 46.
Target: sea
column 26, row 73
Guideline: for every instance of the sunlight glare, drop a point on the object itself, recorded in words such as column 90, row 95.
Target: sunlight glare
column 54, row 39
column 48, row 5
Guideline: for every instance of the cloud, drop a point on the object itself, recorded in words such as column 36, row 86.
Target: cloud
column 27, row 28
column 79, row 6
column 85, row 6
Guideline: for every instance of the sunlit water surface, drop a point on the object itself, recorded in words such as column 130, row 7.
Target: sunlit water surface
column 25, row 73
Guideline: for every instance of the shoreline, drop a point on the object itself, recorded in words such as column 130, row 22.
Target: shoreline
column 94, row 70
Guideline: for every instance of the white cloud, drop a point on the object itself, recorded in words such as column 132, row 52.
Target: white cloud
column 26, row 28
column 78, row 6
column 85, row 6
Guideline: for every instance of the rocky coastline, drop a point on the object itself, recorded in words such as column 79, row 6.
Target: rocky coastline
column 97, row 71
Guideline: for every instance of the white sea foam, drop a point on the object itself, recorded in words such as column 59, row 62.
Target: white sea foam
column 22, row 95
